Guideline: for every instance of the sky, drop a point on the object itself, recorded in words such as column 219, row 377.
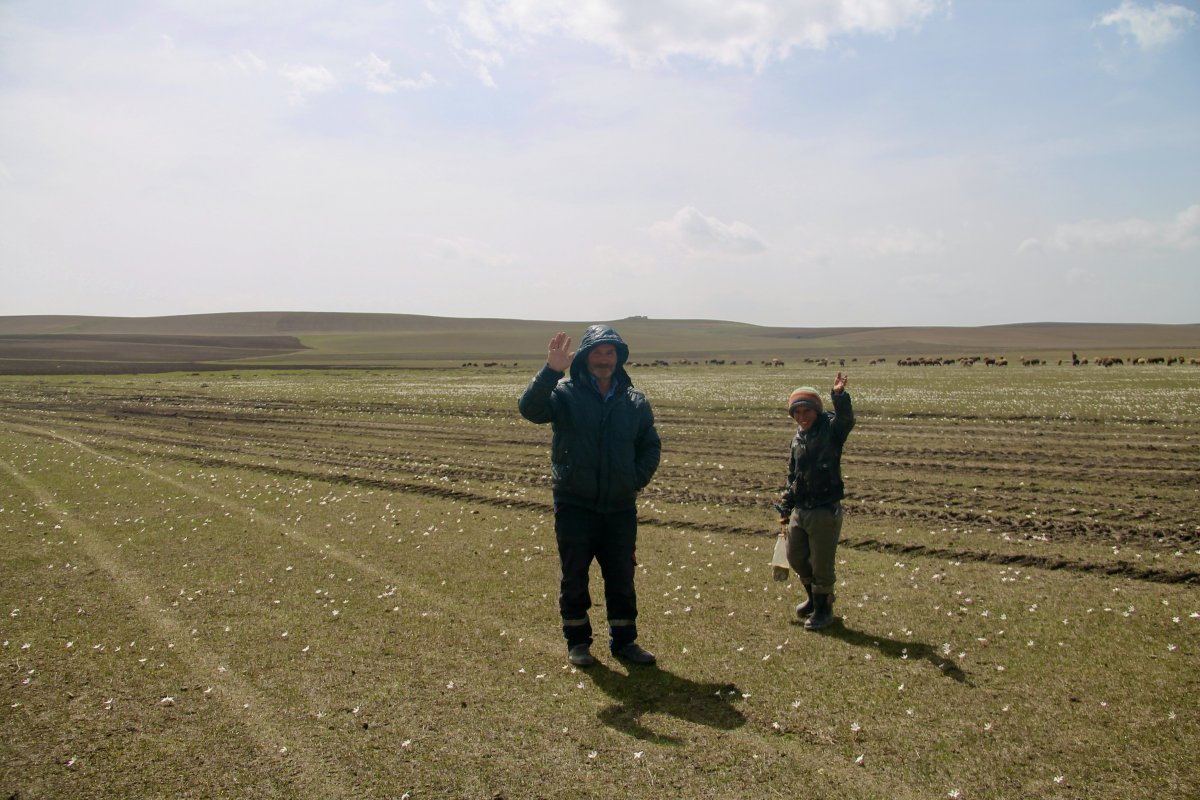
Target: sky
column 805, row 163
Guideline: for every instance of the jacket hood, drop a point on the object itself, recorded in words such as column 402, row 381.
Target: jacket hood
column 597, row 335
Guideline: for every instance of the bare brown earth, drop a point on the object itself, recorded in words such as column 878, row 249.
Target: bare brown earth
column 1036, row 490
column 95, row 353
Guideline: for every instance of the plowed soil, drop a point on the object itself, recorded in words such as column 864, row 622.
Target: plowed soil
column 1095, row 490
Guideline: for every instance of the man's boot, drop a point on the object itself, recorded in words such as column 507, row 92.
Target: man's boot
column 806, row 608
column 822, row 613
column 634, row 653
column 580, row 656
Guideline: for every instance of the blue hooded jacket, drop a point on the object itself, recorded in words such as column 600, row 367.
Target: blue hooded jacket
column 602, row 451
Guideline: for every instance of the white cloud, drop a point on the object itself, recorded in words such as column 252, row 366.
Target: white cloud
column 477, row 19
column 485, row 75
column 481, row 59
column 1029, row 246
column 1150, row 26
column 731, row 34
column 248, row 62
column 893, row 241
column 381, row 80
column 307, row 80
column 1182, row 232
column 698, row 233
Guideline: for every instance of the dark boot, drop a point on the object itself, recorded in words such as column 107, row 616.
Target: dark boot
column 822, row 613
column 580, row 656
column 634, row 653
column 806, row 608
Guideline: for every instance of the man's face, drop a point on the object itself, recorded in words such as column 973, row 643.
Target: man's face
column 602, row 361
column 805, row 417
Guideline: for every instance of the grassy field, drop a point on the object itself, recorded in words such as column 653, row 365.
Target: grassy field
column 342, row 584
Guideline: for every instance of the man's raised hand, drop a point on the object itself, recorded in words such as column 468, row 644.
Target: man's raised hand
column 559, row 354
column 839, row 383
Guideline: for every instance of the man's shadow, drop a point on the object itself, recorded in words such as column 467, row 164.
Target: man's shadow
column 897, row 649
column 650, row 690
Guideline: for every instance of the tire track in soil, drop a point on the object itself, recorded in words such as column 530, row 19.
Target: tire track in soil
column 295, row 767
column 318, row 548
column 267, row 732
column 268, row 736
column 1053, row 563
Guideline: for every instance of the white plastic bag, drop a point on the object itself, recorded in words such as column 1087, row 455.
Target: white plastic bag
column 779, row 562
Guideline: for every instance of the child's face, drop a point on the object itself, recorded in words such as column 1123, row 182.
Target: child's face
column 804, row 417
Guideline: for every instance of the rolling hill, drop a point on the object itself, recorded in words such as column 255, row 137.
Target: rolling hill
column 81, row 344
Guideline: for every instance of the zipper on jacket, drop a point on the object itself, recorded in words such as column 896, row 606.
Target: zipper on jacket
column 602, row 477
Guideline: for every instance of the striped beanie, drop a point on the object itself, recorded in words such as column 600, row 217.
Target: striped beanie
column 804, row 396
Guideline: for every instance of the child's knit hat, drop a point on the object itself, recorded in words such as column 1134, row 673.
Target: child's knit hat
column 805, row 396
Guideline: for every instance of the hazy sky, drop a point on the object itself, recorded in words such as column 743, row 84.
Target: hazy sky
column 800, row 162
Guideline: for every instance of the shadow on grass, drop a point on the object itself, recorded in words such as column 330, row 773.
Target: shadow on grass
column 896, row 649
column 650, row 690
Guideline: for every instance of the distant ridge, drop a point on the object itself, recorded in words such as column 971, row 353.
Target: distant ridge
column 292, row 339
column 298, row 323
column 240, row 323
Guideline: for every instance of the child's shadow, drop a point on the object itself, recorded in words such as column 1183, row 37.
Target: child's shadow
column 656, row 691
column 896, row 649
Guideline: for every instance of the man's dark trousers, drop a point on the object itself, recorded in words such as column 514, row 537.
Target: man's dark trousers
column 609, row 538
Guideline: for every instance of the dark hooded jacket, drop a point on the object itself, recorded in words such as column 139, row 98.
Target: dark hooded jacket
column 603, row 450
column 815, row 467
